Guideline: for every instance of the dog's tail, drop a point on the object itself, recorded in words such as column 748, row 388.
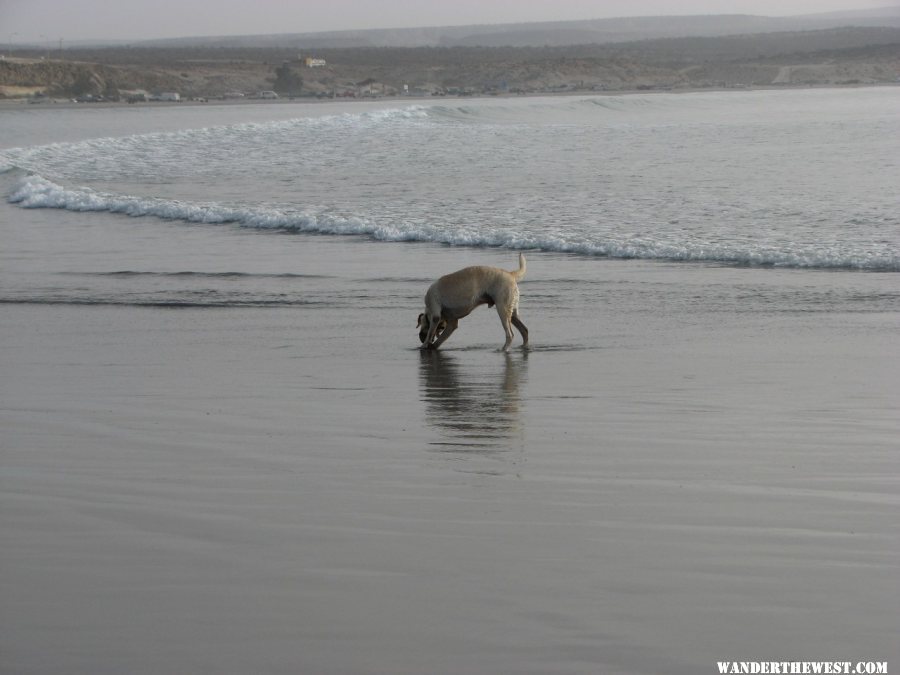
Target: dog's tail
column 519, row 273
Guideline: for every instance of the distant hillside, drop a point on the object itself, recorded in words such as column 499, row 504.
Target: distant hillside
column 561, row 33
column 758, row 46
column 840, row 56
column 679, row 50
column 23, row 77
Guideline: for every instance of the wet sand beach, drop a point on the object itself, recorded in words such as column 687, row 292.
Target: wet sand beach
column 692, row 464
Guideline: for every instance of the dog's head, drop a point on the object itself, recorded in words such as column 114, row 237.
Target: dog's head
column 424, row 324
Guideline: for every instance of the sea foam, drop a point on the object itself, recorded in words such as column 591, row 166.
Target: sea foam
column 34, row 192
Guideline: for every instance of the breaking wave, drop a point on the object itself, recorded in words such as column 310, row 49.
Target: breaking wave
column 34, row 192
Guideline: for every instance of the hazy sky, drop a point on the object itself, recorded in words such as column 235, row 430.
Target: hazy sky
column 50, row 20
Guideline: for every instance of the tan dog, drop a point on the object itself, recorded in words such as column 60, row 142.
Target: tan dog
column 454, row 296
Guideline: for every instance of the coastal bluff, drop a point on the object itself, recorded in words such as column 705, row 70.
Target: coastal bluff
column 835, row 57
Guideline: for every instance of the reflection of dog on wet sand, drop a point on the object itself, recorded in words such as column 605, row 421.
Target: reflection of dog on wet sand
column 454, row 296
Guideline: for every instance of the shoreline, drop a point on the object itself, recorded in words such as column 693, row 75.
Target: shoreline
column 62, row 103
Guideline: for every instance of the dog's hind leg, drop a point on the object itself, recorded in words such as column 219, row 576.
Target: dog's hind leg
column 505, row 318
column 509, row 336
column 517, row 322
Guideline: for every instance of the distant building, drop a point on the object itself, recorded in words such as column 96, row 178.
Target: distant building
column 314, row 63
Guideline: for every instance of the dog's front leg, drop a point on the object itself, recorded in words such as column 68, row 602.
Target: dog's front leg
column 434, row 322
column 451, row 326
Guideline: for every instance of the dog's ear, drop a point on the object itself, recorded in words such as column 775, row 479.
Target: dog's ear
column 420, row 320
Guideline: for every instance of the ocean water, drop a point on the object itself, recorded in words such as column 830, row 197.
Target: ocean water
column 221, row 449
column 802, row 179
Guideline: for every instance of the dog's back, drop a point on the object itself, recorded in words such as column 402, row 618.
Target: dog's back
column 478, row 270
column 473, row 286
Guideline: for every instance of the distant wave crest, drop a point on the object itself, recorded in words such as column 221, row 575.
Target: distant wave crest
column 34, row 192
